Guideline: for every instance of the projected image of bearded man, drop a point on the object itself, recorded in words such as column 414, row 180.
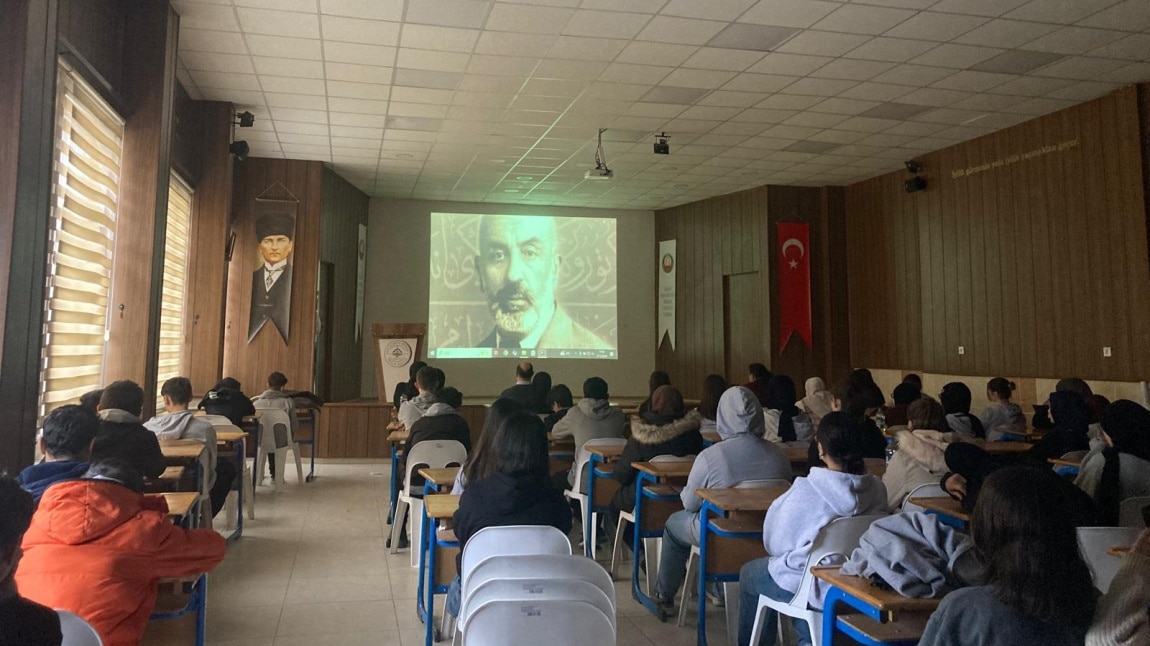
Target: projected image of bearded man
column 519, row 271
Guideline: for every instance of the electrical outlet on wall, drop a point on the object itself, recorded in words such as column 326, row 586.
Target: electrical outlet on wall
column 962, row 349
column 1106, row 351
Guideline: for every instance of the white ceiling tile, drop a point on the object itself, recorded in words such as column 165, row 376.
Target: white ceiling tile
column 822, row 43
column 559, row 69
column 500, row 43
column 936, row 26
column 315, row 140
column 1135, row 47
column 727, row 98
column 197, row 15
column 990, row 8
column 280, row 47
column 605, row 24
column 747, row 82
column 1083, row 90
column 467, row 14
column 971, row 81
column 788, row 13
column 358, row 120
column 373, row 9
column 554, row 87
column 1005, row 33
column 278, row 23
column 300, row 101
column 307, row 121
column 211, row 62
column 482, row 99
column 789, row 102
column 361, row 133
column 845, row 68
column 647, row 53
column 582, row 48
column 665, row 29
column 491, row 83
column 1081, row 68
column 375, row 92
column 815, row 120
column 863, row 19
column 221, row 42
column 253, row 101
column 354, row 30
column 439, row 38
column 225, row 81
column 1064, row 12
column 713, row 58
column 789, row 64
column 1073, row 40
column 288, row 67
column 934, row 97
column 425, row 59
column 819, row 87
column 871, row 91
column 711, row 9
column 357, row 73
column 1038, row 107
column 528, row 19
column 956, row 56
column 895, row 50
column 1131, row 15
column 290, row 85
column 627, row 73
column 987, row 102
column 1029, row 86
column 1132, row 73
column 709, row 79
column 358, row 106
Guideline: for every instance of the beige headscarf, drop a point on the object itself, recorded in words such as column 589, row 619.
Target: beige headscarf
column 818, row 401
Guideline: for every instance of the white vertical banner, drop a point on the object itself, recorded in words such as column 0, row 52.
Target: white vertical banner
column 666, row 291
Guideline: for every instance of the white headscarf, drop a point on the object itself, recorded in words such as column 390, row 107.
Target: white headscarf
column 818, row 401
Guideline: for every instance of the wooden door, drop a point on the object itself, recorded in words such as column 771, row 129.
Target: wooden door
column 743, row 327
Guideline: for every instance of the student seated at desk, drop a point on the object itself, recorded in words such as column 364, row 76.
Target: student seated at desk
column 1001, row 416
column 955, row 399
column 22, row 622
column 1119, row 468
column 98, row 546
column 275, row 397
column 785, row 422
column 592, row 418
column 181, row 424
column 478, row 460
column 921, row 455
column 559, row 403
column 666, row 429
column 742, row 454
column 1122, row 618
column 406, row 390
column 227, row 399
column 841, row 490
column 66, row 441
column 713, row 388
column 904, row 394
column 1039, row 589
column 122, row 434
column 427, row 383
column 442, row 421
column 512, row 487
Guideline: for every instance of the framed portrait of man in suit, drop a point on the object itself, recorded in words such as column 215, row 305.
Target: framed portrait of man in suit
column 272, row 278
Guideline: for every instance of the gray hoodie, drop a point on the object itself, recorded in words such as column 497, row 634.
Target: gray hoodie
column 411, row 410
column 184, row 425
column 793, row 522
column 590, row 419
column 920, row 459
column 742, row 454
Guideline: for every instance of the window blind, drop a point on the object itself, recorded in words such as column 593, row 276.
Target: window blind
column 86, row 164
column 175, row 283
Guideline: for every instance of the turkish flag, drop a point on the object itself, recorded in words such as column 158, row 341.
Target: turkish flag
column 793, row 244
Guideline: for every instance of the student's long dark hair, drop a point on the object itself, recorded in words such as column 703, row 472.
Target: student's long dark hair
column 1024, row 528
column 482, row 460
column 713, row 388
column 1128, row 425
column 521, row 447
column 840, row 436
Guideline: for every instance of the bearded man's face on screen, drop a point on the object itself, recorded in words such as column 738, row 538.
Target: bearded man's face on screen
column 519, row 269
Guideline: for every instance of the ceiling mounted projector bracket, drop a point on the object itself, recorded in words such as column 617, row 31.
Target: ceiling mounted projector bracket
column 600, row 171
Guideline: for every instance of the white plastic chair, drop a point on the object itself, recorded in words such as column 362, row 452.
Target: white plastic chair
column 576, row 492
column 511, row 540
column 1093, row 543
column 530, row 590
column 651, row 546
column 77, row 632
column 434, row 454
column 276, row 438
column 928, row 490
column 559, row 623
column 541, row 566
column 839, row 538
column 1130, row 511
column 730, row 588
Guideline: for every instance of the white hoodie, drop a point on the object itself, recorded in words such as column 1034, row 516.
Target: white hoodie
column 184, row 425
column 590, row 419
column 793, row 522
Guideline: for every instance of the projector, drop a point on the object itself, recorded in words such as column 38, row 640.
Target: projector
column 598, row 173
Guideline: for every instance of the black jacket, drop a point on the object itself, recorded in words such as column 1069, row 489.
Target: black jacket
column 403, row 389
column 228, row 402
column 553, row 418
column 524, row 394
column 681, row 437
column 451, row 426
column 274, row 305
column 502, row 499
column 131, row 442
column 874, row 444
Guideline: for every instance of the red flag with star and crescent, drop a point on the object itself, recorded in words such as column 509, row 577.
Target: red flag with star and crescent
column 793, row 240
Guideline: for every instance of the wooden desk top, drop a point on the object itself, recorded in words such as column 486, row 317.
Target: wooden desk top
column 1063, row 462
column 795, row 452
column 608, row 453
column 675, row 469
column 751, row 499
column 229, row 434
column 441, row 505
column 182, row 449
column 560, row 440
column 711, row 436
column 398, row 437
column 948, row 506
column 881, row 600
column 440, row 477
column 179, row 503
column 172, row 473
column 1005, row 447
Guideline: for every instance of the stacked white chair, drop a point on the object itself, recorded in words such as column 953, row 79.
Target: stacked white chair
column 651, row 546
column 839, row 538
column 434, row 454
column 76, row 631
column 591, row 533
column 558, row 622
column 276, row 438
column 929, row 490
column 1093, row 543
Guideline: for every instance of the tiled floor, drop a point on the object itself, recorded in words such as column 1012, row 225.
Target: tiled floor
column 312, row 569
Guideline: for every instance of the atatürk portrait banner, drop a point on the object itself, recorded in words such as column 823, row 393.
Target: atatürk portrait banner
column 272, row 275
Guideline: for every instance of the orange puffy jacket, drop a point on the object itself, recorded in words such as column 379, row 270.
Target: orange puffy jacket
column 97, row 548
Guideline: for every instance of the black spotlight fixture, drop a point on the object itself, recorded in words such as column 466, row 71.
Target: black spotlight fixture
column 913, row 166
column 239, row 149
column 916, row 183
column 246, row 119
column 661, row 145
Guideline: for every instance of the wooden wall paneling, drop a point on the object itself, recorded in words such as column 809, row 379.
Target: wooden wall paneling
column 187, row 136
column 1131, row 230
column 836, row 297
column 964, row 318
column 344, row 209
column 1093, row 299
column 1022, row 285
column 251, row 363
column 931, row 202
column 137, row 271
column 377, row 446
column 27, row 100
column 208, row 236
column 909, row 302
column 987, row 264
column 93, row 32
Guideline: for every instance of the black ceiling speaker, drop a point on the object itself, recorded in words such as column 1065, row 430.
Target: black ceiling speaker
column 915, row 184
column 239, row 149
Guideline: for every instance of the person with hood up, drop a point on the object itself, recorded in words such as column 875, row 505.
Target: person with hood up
column 97, row 547
column 1120, row 467
column 921, row 455
column 1071, row 430
column 841, row 490
column 666, row 429
column 427, row 383
column 512, row 488
column 592, row 418
column 818, row 402
column 1001, row 416
column 122, row 434
column 66, row 441
column 742, row 454
column 227, row 399
column 955, row 399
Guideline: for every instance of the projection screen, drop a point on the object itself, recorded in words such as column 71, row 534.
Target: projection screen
column 532, row 286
